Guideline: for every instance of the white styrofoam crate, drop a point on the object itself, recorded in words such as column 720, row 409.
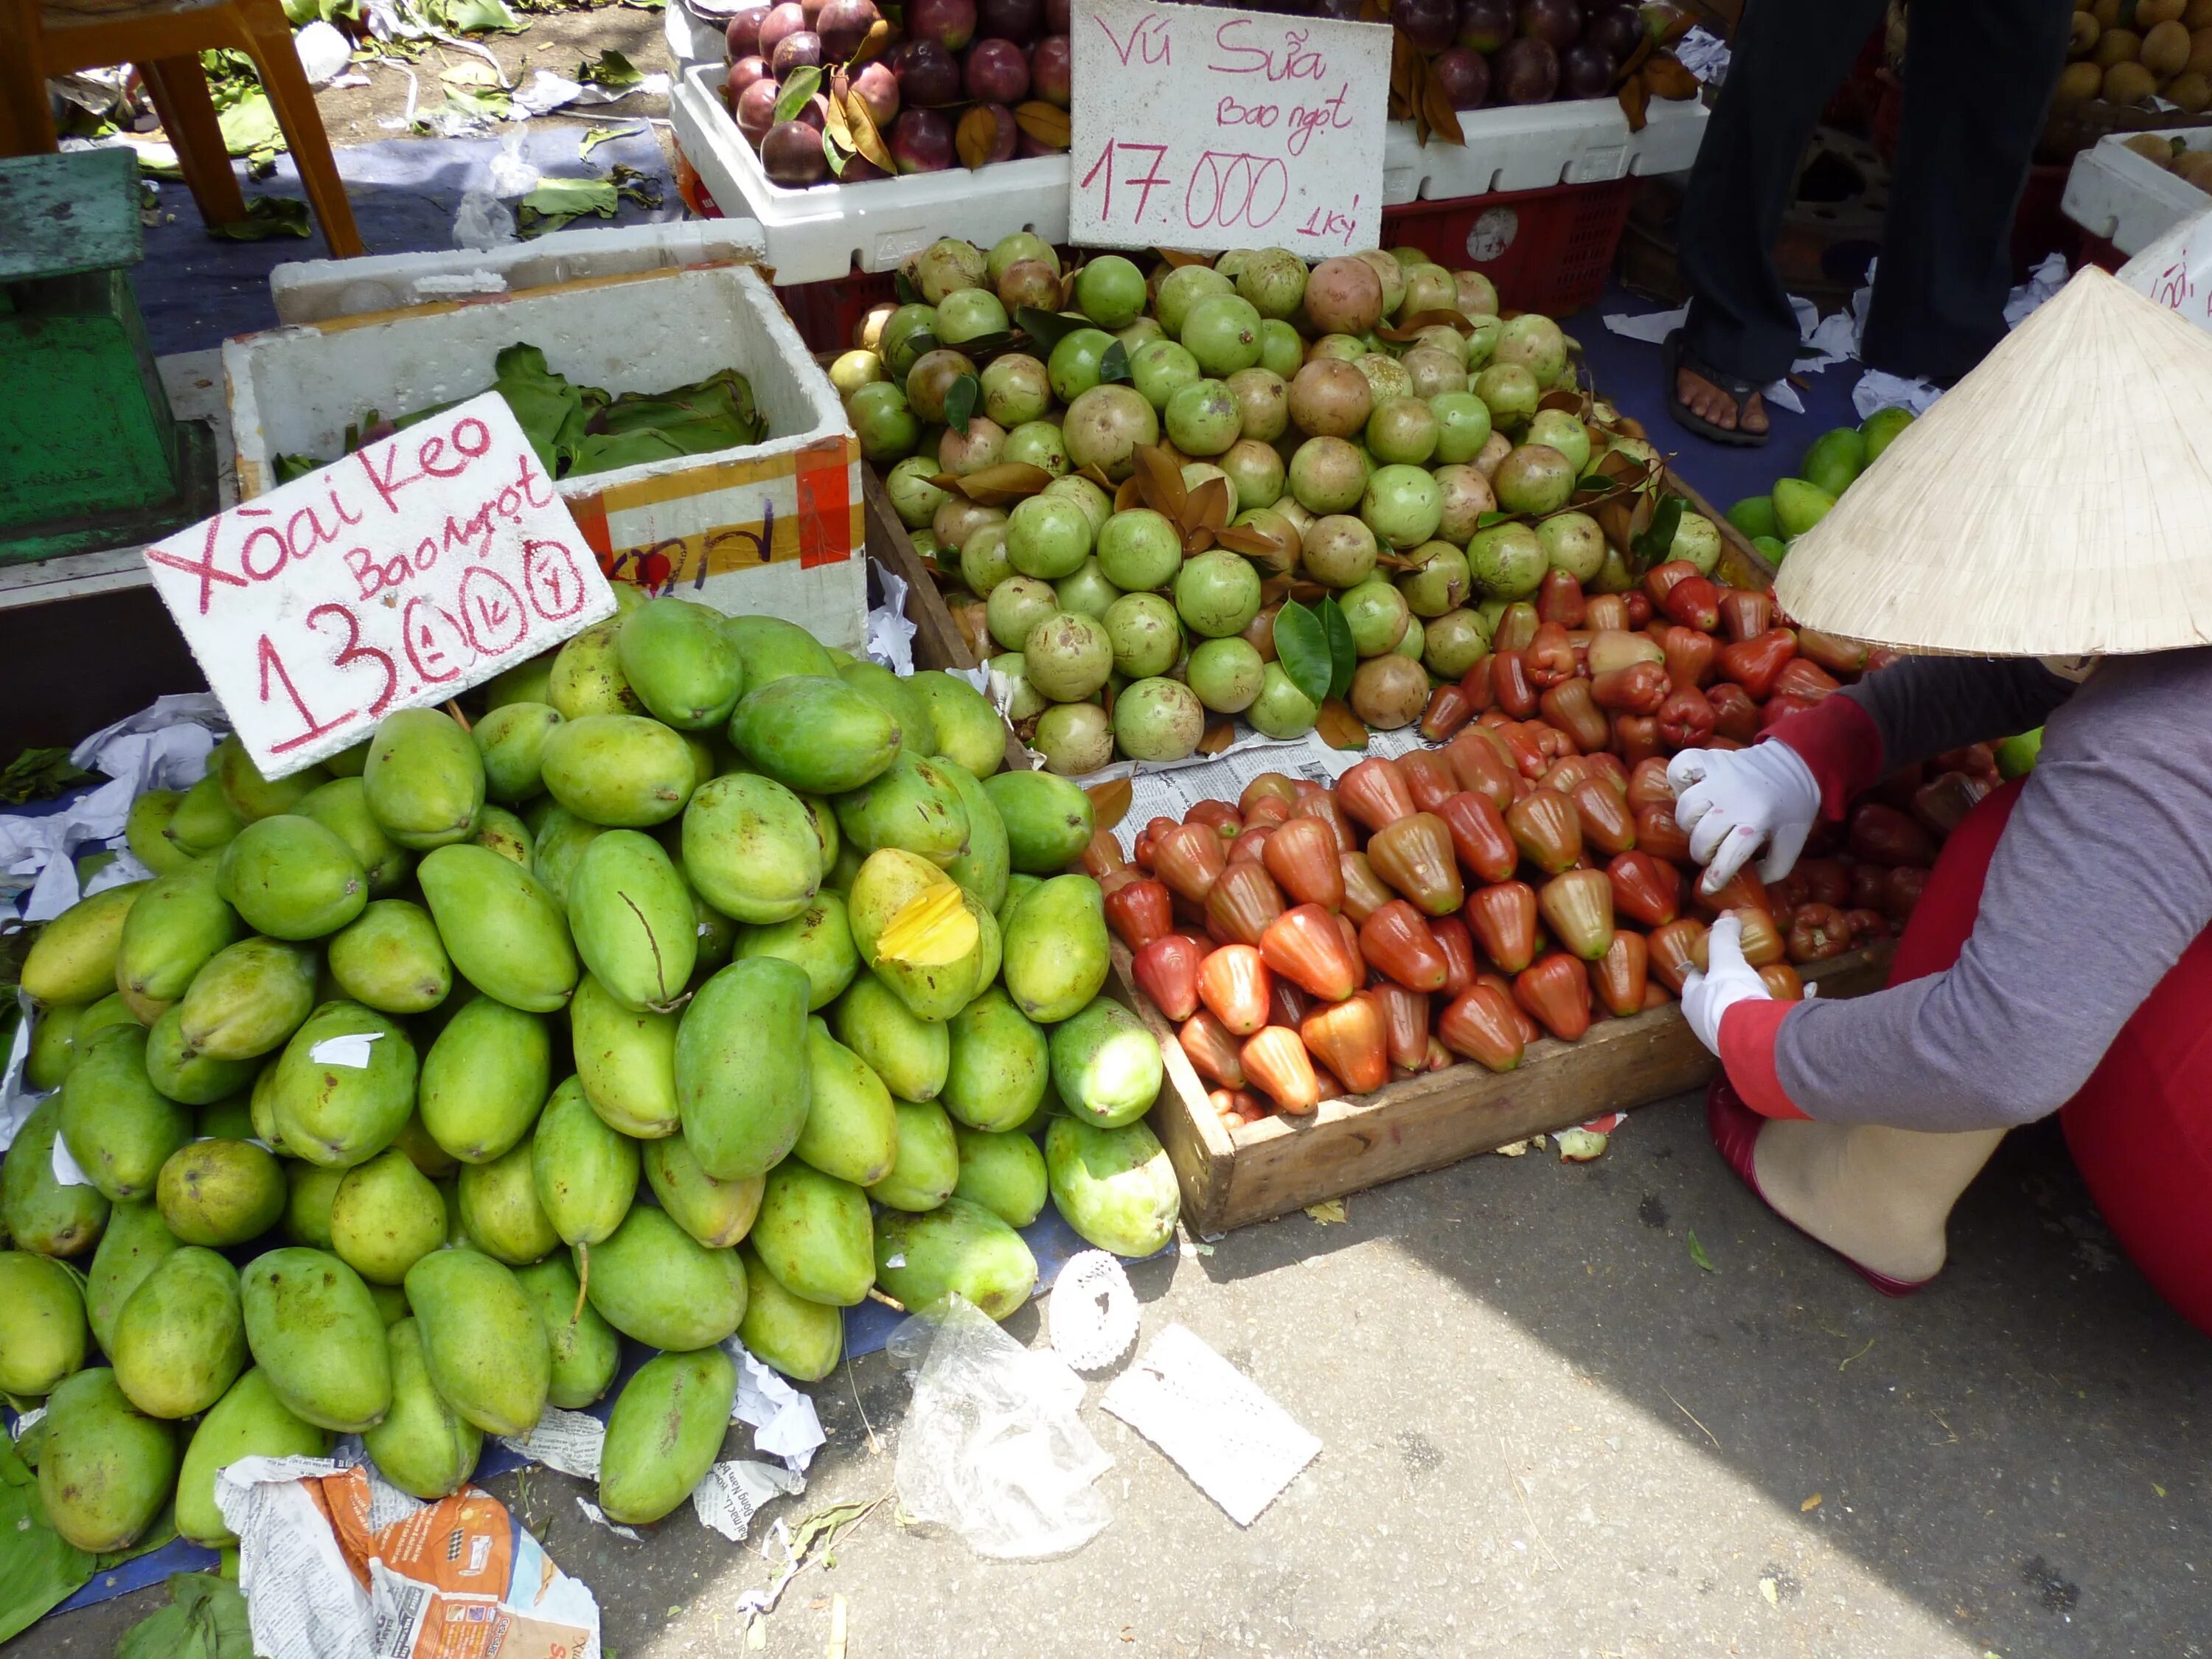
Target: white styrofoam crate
column 819, row 234
column 703, row 519
column 2127, row 199
column 2176, row 269
column 1581, row 141
column 694, row 37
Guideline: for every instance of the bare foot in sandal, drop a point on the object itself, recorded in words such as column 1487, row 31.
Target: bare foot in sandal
column 1707, row 401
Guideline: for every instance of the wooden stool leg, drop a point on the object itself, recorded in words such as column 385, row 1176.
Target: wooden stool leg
column 269, row 42
column 180, row 90
column 27, row 122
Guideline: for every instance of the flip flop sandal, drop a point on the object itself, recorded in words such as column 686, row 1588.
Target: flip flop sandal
column 1677, row 358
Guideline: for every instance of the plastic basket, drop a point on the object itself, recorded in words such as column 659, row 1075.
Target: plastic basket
column 1546, row 250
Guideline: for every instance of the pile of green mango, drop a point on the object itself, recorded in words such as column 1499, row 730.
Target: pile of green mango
column 709, row 981
column 1832, row 462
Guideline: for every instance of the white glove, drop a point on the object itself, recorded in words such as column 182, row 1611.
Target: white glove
column 1727, row 980
column 1730, row 800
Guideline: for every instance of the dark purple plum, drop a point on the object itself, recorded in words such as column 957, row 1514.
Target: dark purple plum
column 996, row 72
column 757, row 109
column 812, row 9
column 878, row 89
column 1052, row 70
column 791, row 155
column 922, row 140
column 1485, row 25
column 1525, row 72
column 1585, row 71
column 786, row 19
column 743, row 34
column 1463, row 75
column 799, row 51
column 1428, row 24
column 1556, row 23
column 1056, row 16
column 843, row 24
column 1025, row 147
column 815, row 112
column 950, row 23
column 1615, row 27
column 858, row 169
column 1340, row 11
column 743, row 73
column 928, row 76
column 1018, row 21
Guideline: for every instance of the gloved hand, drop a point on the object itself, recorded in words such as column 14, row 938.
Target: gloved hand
column 1731, row 800
column 1727, row 980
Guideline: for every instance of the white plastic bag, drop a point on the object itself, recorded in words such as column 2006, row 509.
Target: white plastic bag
column 992, row 1447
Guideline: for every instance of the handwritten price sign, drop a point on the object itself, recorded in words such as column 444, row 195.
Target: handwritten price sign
column 1205, row 129
column 404, row 574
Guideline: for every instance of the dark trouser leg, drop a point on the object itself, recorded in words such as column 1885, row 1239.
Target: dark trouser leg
column 1789, row 55
column 1979, row 76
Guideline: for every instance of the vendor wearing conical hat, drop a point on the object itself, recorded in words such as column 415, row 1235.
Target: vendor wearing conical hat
column 2043, row 529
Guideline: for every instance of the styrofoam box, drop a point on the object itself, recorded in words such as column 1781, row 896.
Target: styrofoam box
column 773, row 527
column 694, row 37
column 818, row 235
column 2176, row 270
column 2126, row 198
column 1535, row 146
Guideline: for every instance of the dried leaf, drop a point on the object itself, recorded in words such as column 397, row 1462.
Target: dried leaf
column 1254, row 543
column 971, row 619
column 866, row 137
column 1629, row 426
column 833, row 123
column 1571, row 401
column 1408, row 327
column 1437, row 107
column 877, row 42
column 1211, row 504
column 1219, row 736
column 1110, row 803
column 1635, row 98
column 1162, row 482
column 1636, row 54
column 1810, row 1505
column 1666, row 24
column 1046, row 123
column 1009, row 480
column 977, row 138
column 1374, row 11
column 1274, row 590
column 1340, row 728
column 1406, row 69
column 1666, row 78
column 1176, row 259
column 1128, row 493
column 1096, row 474
column 1623, row 468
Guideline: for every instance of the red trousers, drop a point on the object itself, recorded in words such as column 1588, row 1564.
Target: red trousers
column 2141, row 1128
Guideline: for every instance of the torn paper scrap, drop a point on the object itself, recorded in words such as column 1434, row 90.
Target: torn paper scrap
column 1652, row 328
column 597, row 1517
column 351, row 1050
column 1878, row 389
column 1238, row 1446
column 733, row 1492
column 565, row 1440
column 782, row 1420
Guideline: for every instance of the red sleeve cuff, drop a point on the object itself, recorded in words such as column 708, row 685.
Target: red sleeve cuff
column 1840, row 742
column 1748, row 1031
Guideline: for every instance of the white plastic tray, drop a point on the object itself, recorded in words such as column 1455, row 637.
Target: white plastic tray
column 1535, row 146
column 2129, row 201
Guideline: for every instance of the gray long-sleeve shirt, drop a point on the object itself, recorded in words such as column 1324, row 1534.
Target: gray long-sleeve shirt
column 2102, row 878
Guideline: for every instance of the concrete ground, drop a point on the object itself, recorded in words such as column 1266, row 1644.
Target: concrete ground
column 1547, row 1429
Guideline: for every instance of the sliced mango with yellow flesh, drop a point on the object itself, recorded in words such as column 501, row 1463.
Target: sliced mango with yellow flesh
column 932, row 930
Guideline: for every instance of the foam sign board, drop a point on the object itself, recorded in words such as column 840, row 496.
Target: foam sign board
column 1207, row 129
column 412, row 569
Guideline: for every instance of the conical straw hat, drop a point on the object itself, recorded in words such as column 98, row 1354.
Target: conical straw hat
column 2056, row 502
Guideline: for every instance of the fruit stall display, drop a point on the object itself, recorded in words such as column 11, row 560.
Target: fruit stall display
column 707, row 984
column 1831, row 463
column 1455, row 56
column 1242, row 492
column 2131, row 51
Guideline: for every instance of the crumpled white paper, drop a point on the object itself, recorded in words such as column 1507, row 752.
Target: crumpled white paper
column 568, row 1441
column 1878, row 389
column 1235, row 1444
column 732, row 1493
column 597, row 1517
column 351, row 1050
column 890, row 635
column 2045, row 280
column 323, row 52
column 1703, row 53
column 782, row 1420
column 16, row 1101
column 549, row 91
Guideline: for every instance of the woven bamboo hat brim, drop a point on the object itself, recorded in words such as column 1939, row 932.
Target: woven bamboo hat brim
column 2058, row 501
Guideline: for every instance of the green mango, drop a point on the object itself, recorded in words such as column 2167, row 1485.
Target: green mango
column 144, row 831
column 391, row 958
column 482, row 1341
column 311, row 1191
column 968, row 731
column 499, row 1210
column 252, row 796
column 1003, row 1172
column 54, row 1043
column 40, row 1213
column 1114, row 1186
column 997, row 1065
column 622, row 771
column 801, row 1338
column 1049, row 820
column 814, row 733
column 334, row 1112
column 1106, row 1065
column 42, row 1323
column 203, row 820
column 680, row 662
column 717, row 933
column 1019, row 887
column 291, row 878
column 229, row 1119
column 940, row 971
column 110, row 1013
column 502, row 929
column 914, row 804
column 958, row 1248
column 928, row 1166
column 750, row 849
column 218, row 1192
column 135, row 1242
column 718, row 1213
column 665, row 1428
column 1754, row 516
column 181, row 1339
column 2016, row 756
column 1798, row 506
column 1834, row 458
column 314, row 1328
column 341, row 806
column 73, row 958
column 585, row 1173
column 105, row 1469
column 501, row 831
column 852, row 1131
column 1056, row 948
column 653, row 1281
column 584, row 1351
column 526, row 681
column 184, row 1074
column 347, row 763
column 895, row 698
column 1882, row 429
column 982, row 866
column 390, row 1301
column 822, row 815
column 818, row 940
column 424, row 779
column 625, row 1061
column 512, row 740
column 249, row 1421
column 178, row 922
column 630, row 913
column 814, row 1235
column 424, row 1153
column 118, row 1127
column 741, row 1072
column 249, row 999
column 587, row 677
column 557, row 844
column 424, row 1446
column 386, row 1216
column 773, row 649
column 912, row 1056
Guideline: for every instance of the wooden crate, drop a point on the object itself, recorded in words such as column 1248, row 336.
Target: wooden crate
column 1741, row 565
column 1230, row 1177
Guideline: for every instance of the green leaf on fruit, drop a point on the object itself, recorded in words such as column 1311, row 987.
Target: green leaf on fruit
column 1653, row 546
column 1302, row 646
column 960, row 402
column 802, row 85
column 1113, row 362
column 903, row 289
column 1484, row 520
column 1046, row 329
column 1343, row 654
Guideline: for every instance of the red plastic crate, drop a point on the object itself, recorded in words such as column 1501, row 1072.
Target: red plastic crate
column 1546, row 250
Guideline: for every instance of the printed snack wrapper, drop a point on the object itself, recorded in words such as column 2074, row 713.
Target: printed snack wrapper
column 336, row 1564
